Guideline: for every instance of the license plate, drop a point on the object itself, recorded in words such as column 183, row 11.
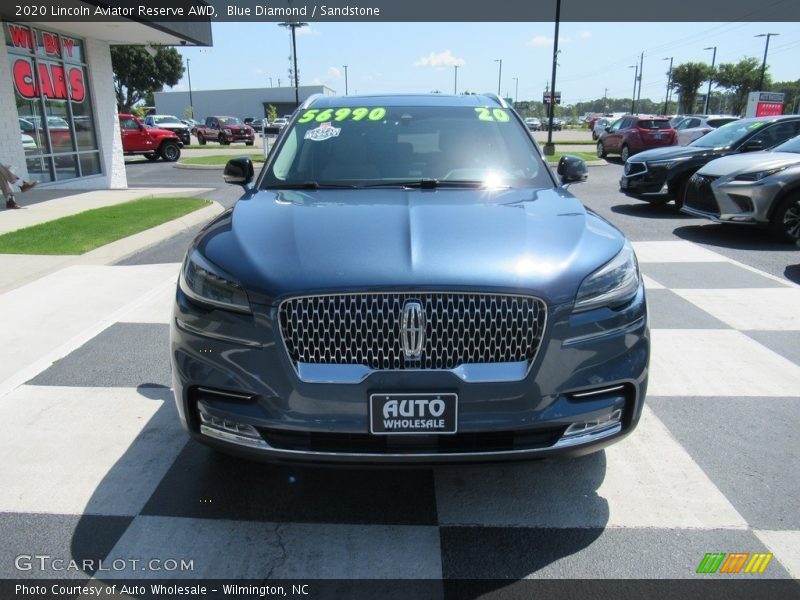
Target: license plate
column 657, row 136
column 398, row 414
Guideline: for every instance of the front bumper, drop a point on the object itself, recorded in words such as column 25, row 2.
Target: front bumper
column 643, row 181
column 730, row 201
column 590, row 376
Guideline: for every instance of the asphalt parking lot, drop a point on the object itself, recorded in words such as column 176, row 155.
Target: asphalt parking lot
column 711, row 468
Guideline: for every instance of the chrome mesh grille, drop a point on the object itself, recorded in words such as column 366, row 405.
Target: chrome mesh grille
column 364, row 329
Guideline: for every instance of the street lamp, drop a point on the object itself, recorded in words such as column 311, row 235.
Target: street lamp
column 713, row 60
column 294, row 26
column 189, row 76
column 669, row 81
column 499, row 73
column 455, row 80
column 270, row 81
column 549, row 147
column 345, row 79
column 516, row 88
column 635, row 79
column 764, row 62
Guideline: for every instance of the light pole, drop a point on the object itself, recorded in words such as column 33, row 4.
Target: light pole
column 516, row 89
column 713, row 61
column 669, row 81
column 294, row 26
column 764, row 62
column 499, row 73
column 189, row 76
column 270, row 81
column 345, row 79
column 549, row 147
column 641, row 72
column 635, row 79
column 455, row 80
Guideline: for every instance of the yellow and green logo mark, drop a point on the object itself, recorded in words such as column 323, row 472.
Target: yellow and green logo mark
column 734, row 562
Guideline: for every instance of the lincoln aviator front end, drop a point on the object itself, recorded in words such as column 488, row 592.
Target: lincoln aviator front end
column 406, row 281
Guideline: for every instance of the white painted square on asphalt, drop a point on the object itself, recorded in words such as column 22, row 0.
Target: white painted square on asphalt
column 256, row 550
column 652, row 284
column 72, row 450
column 677, row 251
column 156, row 307
column 717, row 362
column 785, row 545
column 646, row 480
column 773, row 309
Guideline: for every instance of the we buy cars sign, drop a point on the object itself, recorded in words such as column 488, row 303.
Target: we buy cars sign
column 764, row 104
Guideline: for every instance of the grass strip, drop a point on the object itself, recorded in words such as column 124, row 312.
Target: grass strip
column 79, row 233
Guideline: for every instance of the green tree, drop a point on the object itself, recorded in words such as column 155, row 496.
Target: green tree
column 686, row 81
column 137, row 73
column 792, row 91
column 272, row 112
column 740, row 79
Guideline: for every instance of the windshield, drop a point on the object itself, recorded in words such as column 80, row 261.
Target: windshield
column 729, row 134
column 375, row 145
column 229, row 121
column 793, row 145
column 167, row 119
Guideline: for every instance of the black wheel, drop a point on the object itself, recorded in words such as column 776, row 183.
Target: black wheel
column 248, row 143
column 170, row 151
column 151, row 156
column 785, row 222
column 594, row 136
column 601, row 150
column 222, row 140
column 200, row 139
column 624, row 154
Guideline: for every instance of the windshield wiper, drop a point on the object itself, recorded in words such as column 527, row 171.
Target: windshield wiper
column 309, row 185
column 429, row 184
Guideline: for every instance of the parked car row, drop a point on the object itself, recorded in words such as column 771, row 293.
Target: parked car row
column 745, row 172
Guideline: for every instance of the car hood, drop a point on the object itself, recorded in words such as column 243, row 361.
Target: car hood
column 281, row 243
column 751, row 161
column 159, row 131
column 670, row 152
column 172, row 126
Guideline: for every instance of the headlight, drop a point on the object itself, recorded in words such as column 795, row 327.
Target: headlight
column 758, row 175
column 208, row 284
column 611, row 285
column 667, row 164
column 228, row 131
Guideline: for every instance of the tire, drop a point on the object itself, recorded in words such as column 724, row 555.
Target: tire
column 625, row 153
column 170, row 151
column 601, row 150
column 151, row 156
column 200, row 139
column 223, row 141
column 594, row 136
column 784, row 224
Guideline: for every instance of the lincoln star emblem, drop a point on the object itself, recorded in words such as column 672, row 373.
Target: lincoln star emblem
column 412, row 330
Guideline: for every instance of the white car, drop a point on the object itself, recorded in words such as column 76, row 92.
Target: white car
column 533, row 123
column 280, row 122
column 28, row 143
column 696, row 126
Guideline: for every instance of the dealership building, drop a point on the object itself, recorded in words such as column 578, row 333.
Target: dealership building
column 58, row 122
column 242, row 103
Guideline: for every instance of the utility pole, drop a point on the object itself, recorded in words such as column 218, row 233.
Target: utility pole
column 189, row 76
column 345, row 79
column 605, row 100
column 499, row 74
column 635, row 79
column 516, row 89
column 639, row 93
column 293, row 26
column 713, row 61
column 764, row 62
column 455, row 80
column 549, row 147
column 669, row 82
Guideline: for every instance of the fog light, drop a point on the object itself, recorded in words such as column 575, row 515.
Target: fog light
column 230, row 431
column 584, row 432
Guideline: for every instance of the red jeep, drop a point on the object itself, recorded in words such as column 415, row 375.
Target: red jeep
column 224, row 130
column 137, row 138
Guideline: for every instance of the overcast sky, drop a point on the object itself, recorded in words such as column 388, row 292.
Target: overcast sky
column 420, row 57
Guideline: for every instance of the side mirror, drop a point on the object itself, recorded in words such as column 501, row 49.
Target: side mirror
column 753, row 146
column 607, row 128
column 571, row 169
column 239, row 171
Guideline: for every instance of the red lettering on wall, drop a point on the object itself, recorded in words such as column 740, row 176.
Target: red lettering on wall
column 52, row 81
column 21, row 37
column 76, row 88
column 23, row 79
column 51, row 44
column 68, row 45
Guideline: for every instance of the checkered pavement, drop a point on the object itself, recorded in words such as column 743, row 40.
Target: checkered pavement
column 96, row 466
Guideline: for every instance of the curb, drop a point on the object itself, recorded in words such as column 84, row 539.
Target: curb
column 180, row 165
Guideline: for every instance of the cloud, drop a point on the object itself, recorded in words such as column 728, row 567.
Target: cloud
column 308, row 30
column 334, row 73
column 541, row 41
column 440, row 60
column 585, row 35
